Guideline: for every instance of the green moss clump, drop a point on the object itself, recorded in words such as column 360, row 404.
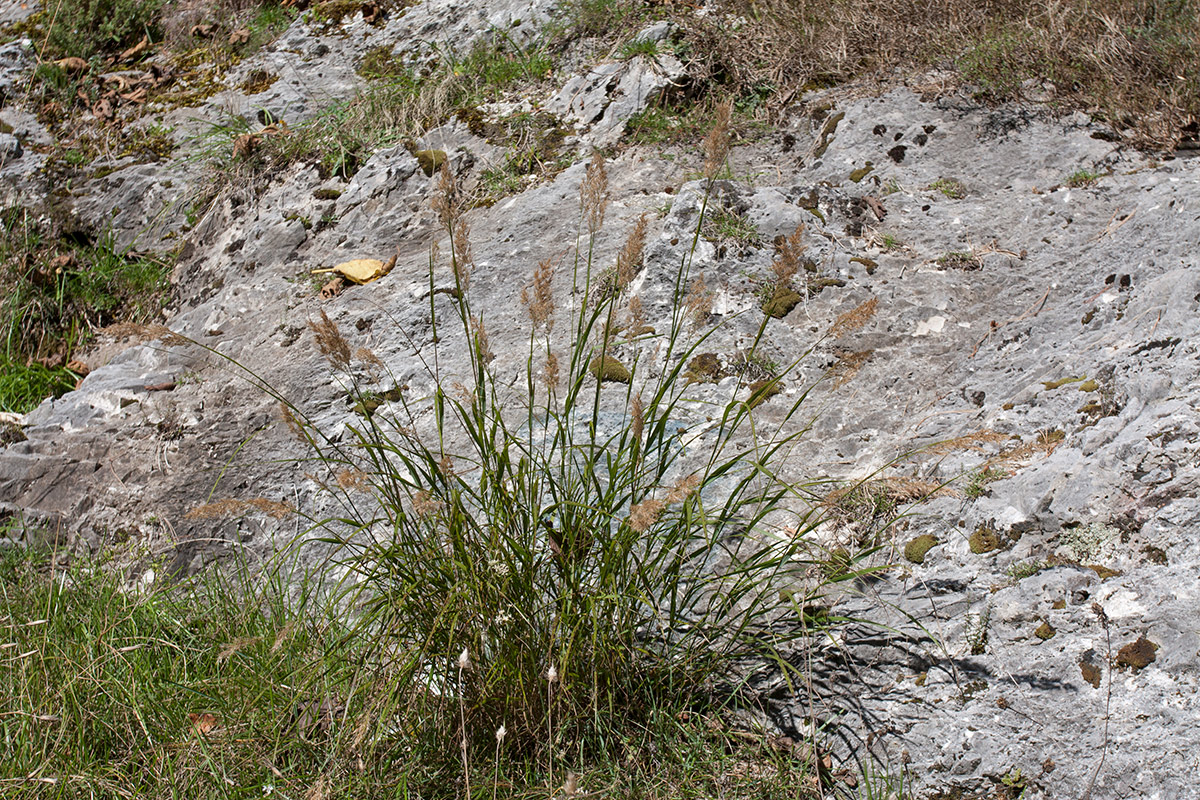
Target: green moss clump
column 430, row 160
column 1089, row 386
column 762, row 391
column 1045, row 631
column 870, row 264
column 916, row 549
column 858, row 174
column 984, row 540
column 327, row 194
column 1063, row 382
column 704, row 368
column 1137, row 655
column 781, row 302
column 607, row 369
column 827, row 133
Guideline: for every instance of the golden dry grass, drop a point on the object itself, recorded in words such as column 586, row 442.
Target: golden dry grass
column 1130, row 61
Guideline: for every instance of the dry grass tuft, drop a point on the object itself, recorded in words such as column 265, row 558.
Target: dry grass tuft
column 854, row 319
column 848, row 366
column 716, row 144
column 538, row 297
column 629, row 260
column 787, row 260
column 698, row 302
column 331, row 343
column 229, row 507
column 593, row 194
column 1132, row 60
column 971, row 441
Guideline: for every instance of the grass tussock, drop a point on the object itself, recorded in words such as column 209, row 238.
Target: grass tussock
column 238, row 685
column 57, row 293
column 1131, row 61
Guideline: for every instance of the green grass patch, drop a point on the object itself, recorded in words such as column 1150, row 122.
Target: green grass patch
column 56, row 294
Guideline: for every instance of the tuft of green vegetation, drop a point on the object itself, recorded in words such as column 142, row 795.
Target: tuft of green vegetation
column 647, row 48
column 552, row 562
column 977, row 484
column 58, row 292
column 1083, row 178
column 724, row 225
column 950, row 187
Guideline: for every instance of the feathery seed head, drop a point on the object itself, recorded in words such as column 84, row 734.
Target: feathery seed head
column 593, row 193
column 716, row 144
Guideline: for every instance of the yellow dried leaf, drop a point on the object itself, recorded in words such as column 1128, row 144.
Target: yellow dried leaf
column 361, row 270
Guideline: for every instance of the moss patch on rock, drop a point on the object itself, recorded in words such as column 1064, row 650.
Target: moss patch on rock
column 607, row 369
column 917, row 548
column 1137, row 655
column 1045, row 631
column 430, row 160
column 781, row 302
column 984, row 540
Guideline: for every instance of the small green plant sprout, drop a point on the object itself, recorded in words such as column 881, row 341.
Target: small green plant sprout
column 1014, row 780
column 645, row 47
column 950, row 187
column 1083, row 178
column 977, row 484
column 888, row 243
column 1025, row 569
column 977, row 631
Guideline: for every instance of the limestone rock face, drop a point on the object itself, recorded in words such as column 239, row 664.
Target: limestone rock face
column 969, row 318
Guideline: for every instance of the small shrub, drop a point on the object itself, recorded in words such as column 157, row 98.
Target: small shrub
column 87, row 28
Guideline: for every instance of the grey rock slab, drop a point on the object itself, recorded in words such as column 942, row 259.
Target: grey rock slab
column 601, row 101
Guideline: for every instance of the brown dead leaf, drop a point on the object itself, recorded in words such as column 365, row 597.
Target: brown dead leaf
column 333, row 288
column 240, row 36
column 203, row 31
column 371, row 13
column 61, row 262
column 317, row 718
column 78, row 367
column 72, row 64
column 136, row 96
column 245, row 144
column 203, row 724
column 104, row 109
column 135, row 51
column 876, row 206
